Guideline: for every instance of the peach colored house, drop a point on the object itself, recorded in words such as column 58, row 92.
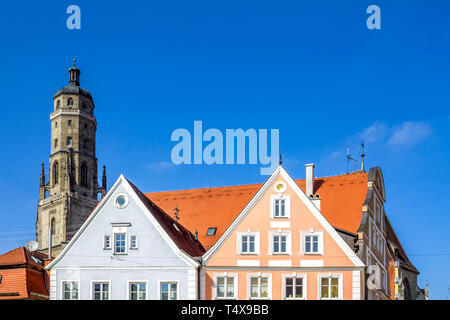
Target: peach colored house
column 281, row 247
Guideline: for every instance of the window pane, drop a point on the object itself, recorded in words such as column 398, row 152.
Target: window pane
column 221, row 287
column 254, row 287
column 133, row 296
column 264, row 287
column 252, row 244
column 282, row 209
column 230, row 287
column 142, row 295
column 276, row 244
column 307, row 244
column 244, row 244
column 315, row 244
column 277, row 208
column 283, row 244
column 324, row 287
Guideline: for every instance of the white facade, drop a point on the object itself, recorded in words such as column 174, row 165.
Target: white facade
column 121, row 252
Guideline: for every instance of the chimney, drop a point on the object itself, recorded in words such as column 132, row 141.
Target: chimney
column 315, row 199
column 309, row 179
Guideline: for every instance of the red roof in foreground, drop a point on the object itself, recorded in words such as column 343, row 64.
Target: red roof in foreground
column 184, row 239
column 342, row 198
column 23, row 275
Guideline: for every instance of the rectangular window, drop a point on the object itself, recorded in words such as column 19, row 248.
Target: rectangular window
column 56, row 143
column 259, row 287
column 225, row 288
column 70, row 290
column 280, row 208
column 138, row 291
column 279, row 244
column 168, row 290
column 107, row 242
column 133, row 242
column 100, row 291
column 311, row 244
column 248, row 244
column 119, row 243
column 84, row 144
column 69, row 141
column 329, row 288
column 69, row 123
column 293, row 288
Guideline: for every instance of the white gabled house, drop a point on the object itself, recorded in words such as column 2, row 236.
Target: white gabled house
column 128, row 248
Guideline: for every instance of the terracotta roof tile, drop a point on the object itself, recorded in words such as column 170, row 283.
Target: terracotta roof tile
column 199, row 209
column 22, row 276
column 184, row 239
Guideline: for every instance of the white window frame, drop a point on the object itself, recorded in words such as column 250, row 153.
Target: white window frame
column 104, row 242
column 101, row 282
column 259, row 275
column 330, row 275
column 225, row 275
column 71, row 288
column 287, row 206
column 160, row 282
column 272, row 235
column 125, row 246
column 131, row 242
column 303, row 235
column 302, row 276
column 246, row 234
column 130, row 282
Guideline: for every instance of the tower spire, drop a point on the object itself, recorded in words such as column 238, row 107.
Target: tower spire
column 104, row 182
column 42, row 184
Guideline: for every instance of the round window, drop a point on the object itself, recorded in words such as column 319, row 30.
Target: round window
column 121, row 201
column 280, row 187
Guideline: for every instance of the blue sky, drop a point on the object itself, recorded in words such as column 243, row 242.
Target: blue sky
column 310, row 69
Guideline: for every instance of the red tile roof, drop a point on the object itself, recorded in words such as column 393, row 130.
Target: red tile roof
column 342, row 198
column 184, row 239
column 22, row 276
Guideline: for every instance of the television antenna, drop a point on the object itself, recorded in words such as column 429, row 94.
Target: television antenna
column 349, row 157
column 32, row 245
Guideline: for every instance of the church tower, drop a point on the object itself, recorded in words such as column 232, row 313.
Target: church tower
column 70, row 193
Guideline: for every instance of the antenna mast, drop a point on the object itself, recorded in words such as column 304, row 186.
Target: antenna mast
column 349, row 157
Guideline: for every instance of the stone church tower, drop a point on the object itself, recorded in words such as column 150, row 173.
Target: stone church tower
column 70, row 193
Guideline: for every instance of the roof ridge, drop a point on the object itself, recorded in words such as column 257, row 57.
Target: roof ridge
column 354, row 173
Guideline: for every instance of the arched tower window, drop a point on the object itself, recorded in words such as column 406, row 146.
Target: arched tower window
column 57, row 104
column 84, row 175
column 55, row 172
column 53, row 226
column 70, row 102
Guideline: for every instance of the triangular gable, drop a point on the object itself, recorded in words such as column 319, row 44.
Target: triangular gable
column 279, row 171
column 133, row 193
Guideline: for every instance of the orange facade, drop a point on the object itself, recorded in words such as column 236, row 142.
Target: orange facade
column 278, row 242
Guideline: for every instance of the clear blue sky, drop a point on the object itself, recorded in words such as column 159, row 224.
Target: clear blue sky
column 311, row 69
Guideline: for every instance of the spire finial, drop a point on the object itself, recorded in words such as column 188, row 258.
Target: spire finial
column 74, row 62
column 362, row 156
column 281, row 159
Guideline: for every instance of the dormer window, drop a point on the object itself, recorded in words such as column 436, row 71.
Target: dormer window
column 211, row 232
